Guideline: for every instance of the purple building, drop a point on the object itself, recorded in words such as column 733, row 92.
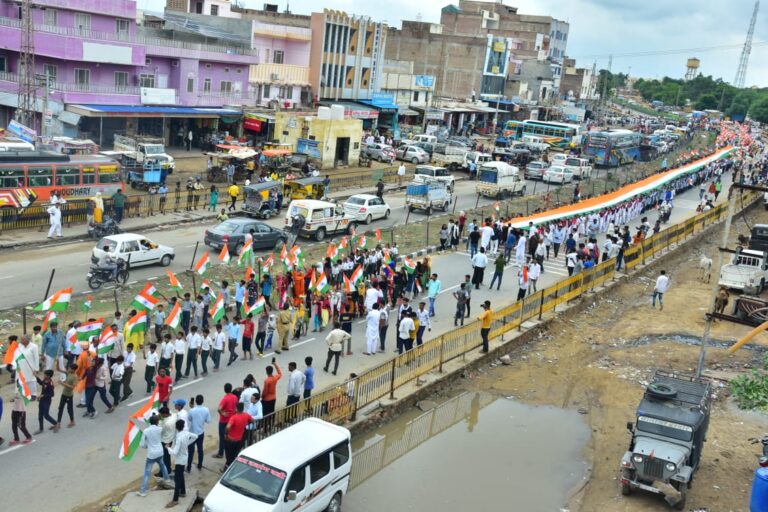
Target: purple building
column 107, row 74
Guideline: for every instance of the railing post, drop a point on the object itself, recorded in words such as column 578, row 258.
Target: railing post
column 357, row 388
column 442, row 344
column 522, row 308
column 392, row 381
column 541, row 305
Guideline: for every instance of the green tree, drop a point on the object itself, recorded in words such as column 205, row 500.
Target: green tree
column 706, row 102
column 759, row 109
column 739, row 106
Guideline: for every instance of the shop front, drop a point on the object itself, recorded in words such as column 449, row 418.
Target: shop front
column 259, row 127
column 385, row 105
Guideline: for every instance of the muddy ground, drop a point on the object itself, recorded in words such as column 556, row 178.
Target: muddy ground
column 598, row 360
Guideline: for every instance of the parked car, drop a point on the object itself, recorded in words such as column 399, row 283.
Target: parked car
column 366, row 208
column 558, row 174
column 380, row 152
column 136, row 249
column 535, row 170
column 232, row 233
column 413, row 154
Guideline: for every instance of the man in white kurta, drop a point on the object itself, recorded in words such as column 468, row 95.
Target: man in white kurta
column 373, row 321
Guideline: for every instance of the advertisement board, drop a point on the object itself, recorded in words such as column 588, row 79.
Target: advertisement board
column 308, row 147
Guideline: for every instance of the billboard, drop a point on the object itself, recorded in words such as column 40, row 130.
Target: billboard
column 25, row 133
column 308, row 147
column 424, row 81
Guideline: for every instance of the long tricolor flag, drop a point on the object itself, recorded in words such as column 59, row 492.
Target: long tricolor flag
column 145, row 299
column 137, row 323
column 88, row 304
column 88, row 329
column 130, row 442
column 21, row 381
column 257, row 307
column 107, row 340
column 349, row 287
column 218, row 308
column 173, row 281
column 59, row 301
column 174, row 318
column 409, row 265
column 248, row 273
column 296, row 252
column 224, row 255
column 202, row 264
column 246, row 254
column 284, row 255
column 362, row 242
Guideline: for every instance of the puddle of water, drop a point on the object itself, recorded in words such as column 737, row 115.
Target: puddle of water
column 474, row 452
column 687, row 339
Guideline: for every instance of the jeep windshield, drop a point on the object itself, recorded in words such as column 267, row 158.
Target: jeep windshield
column 747, row 261
column 254, row 479
column 664, row 428
column 154, row 149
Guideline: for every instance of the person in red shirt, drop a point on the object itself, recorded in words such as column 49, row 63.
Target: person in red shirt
column 235, row 432
column 164, row 386
column 227, row 407
column 247, row 337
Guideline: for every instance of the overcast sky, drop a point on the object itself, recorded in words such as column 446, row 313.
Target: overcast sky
column 600, row 27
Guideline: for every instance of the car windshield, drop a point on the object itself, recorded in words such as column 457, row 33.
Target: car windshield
column 154, row 149
column 227, row 227
column 254, row 479
column 358, row 201
column 425, row 172
column 664, row 428
column 573, row 161
column 106, row 245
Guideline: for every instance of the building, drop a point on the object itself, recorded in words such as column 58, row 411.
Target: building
column 221, row 8
column 413, row 93
column 331, row 140
column 108, row 74
column 577, row 83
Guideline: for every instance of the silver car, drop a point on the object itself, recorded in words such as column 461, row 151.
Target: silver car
column 380, row 152
column 413, row 154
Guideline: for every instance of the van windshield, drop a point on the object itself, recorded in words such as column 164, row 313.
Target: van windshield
column 254, row 479
column 573, row 161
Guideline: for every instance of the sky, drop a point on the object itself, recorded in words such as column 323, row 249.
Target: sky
column 602, row 27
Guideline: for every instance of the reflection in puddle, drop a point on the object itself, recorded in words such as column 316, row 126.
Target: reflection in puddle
column 474, row 452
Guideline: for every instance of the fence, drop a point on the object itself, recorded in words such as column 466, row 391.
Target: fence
column 342, row 402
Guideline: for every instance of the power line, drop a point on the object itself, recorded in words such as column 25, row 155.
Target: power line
column 652, row 53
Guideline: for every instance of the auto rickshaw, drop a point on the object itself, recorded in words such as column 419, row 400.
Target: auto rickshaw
column 304, row 188
column 261, row 199
column 239, row 155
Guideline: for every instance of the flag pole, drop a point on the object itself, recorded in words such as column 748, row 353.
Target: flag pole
column 50, row 281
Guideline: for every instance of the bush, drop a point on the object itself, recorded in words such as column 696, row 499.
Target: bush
column 751, row 391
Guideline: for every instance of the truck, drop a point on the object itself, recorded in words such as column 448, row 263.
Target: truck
column 452, row 157
column 145, row 149
column 667, row 437
column 747, row 271
column 427, row 195
column 500, row 180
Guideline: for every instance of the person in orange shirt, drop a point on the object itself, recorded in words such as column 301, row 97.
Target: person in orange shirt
column 269, row 391
column 486, row 317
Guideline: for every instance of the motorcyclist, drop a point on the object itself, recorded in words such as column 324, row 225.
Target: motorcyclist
column 109, row 262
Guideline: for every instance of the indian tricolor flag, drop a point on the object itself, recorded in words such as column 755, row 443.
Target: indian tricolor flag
column 218, row 308
column 357, row 274
column 284, row 255
column 10, row 354
column 409, row 265
column 267, row 264
column 205, row 284
column 248, row 273
column 296, row 252
column 174, row 318
column 173, row 281
column 387, row 257
column 321, row 284
column 332, row 252
column 348, row 285
column 378, row 234
column 146, row 300
column 131, row 441
column 344, row 243
column 224, row 255
column 21, row 382
column 202, row 264
column 88, row 329
column 107, row 341
column 246, row 253
column 257, row 307
column 362, row 243
column 137, row 323
column 149, row 407
column 59, row 301
column 49, row 317
column 88, row 304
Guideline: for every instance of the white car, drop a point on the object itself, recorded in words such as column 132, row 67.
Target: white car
column 366, row 208
column 136, row 249
column 558, row 159
column 558, row 174
column 413, row 154
column 427, row 173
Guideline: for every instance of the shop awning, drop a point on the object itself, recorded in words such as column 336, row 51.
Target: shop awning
column 385, row 107
column 152, row 111
column 405, row 111
column 257, row 122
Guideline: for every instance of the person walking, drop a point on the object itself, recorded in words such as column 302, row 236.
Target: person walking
column 233, row 192
column 205, row 350
column 400, row 174
column 283, row 329
column 335, row 341
column 44, row 403
column 404, row 332
column 150, row 367
column 296, row 381
column 479, row 262
column 486, row 317
column 67, row 396
column 235, row 433
column 233, row 335
column 194, row 347
column 662, row 285
column 199, row 416
column 219, row 340
column 151, row 441
column 179, row 349
column 498, row 270
column 434, row 286
column 54, row 217
column 164, row 386
column 534, row 272
column 462, row 297
column 129, row 361
column 117, row 372
column 226, row 409
column 423, row 316
column 182, row 442
column 523, row 282
column 373, row 322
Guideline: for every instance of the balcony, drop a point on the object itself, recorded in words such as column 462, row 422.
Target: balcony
column 79, row 93
column 118, row 8
column 280, row 74
column 218, row 99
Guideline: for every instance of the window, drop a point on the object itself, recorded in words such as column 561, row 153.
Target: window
column 40, row 176
column 146, row 80
column 266, row 90
column 226, row 87
column 341, row 452
column 50, row 17
column 289, row 92
column 214, row 10
column 3, row 64
column 277, row 56
column 121, row 27
column 12, row 178
column 67, row 176
column 298, row 480
column 121, row 79
column 147, row 61
column 50, row 71
column 190, row 85
column 320, row 466
column 207, row 85
column 82, row 22
column 89, row 175
column 82, row 77
column 415, row 96
column 108, row 174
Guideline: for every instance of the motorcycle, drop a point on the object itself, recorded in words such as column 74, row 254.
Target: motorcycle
column 106, row 228
column 763, row 460
column 98, row 276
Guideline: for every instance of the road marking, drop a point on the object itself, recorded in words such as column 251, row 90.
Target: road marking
column 153, row 278
column 131, row 282
column 6, row 277
column 14, row 448
column 189, row 246
column 174, row 389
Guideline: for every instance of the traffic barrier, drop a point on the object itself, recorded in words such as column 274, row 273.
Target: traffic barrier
column 341, row 403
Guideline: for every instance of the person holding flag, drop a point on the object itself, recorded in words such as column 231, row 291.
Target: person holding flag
column 27, row 361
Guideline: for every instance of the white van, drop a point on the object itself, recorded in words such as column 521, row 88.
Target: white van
column 306, row 467
column 321, row 218
column 580, row 167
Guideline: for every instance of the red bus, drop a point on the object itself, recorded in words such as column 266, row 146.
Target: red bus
column 26, row 177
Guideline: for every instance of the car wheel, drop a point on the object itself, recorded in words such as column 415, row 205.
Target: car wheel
column 238, row 248
column 386, row 214
column 335, row 504
column 381, row 159
column 352, row 227
column 415, row 161
column 320, row 234
column 369, row 219
column 165, row 260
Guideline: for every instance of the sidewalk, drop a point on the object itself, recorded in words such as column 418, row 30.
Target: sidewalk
column 21, row 238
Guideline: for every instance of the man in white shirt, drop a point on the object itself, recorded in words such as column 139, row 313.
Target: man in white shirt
column 534, row 271
column 255, row 410
column 129, row 361
column 404, row 341
column 151, row 440
column 373, row 321
column 662, row 285
column 181, row 413
column 219, row 341
column 54, row 215
column 423, row 315
column 372, row 296
column 249, row 388
column 296, row 380
column 486, row 233
column 166, row 353
column 194, row 346
column 479, row 262
column 400, row 174
column 179, row 348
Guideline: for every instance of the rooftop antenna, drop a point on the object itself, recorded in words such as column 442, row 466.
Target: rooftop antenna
column 25, row 110
column 741, row 72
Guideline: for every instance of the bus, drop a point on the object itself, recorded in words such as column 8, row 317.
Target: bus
column 30, row 176
column 613, row 148
column 556, row 134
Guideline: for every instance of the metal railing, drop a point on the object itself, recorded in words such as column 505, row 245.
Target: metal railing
column 342, row 402
column 73, row 87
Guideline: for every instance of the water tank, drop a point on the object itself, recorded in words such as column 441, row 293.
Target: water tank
column 337, row 112
column 323, row 113
column 759, row 500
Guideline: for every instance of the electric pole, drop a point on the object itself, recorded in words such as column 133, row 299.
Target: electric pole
column 25, row 109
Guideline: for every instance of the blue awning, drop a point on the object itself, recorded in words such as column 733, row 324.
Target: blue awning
column 387, row 107
column 91, row 110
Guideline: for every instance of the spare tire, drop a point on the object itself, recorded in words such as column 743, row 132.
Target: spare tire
column 661, row 390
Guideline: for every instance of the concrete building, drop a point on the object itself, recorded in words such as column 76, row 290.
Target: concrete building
column 107, row 74
column 221, row 8
column 413, row 93
column 332, row 142
column 577, row 83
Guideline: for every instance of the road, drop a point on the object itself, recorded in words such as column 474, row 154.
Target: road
column 93, row 444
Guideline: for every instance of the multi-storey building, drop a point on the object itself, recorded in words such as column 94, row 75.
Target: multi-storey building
column 221, row 8
column 107, row 74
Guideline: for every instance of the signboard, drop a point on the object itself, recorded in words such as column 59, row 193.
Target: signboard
column 25, row 133
column 383, row 98
column 425, row 81
column 499, row 46
column 360, row 114
column 155, row 96
column 434, row 114
column 308, row 147
column 253, row 124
